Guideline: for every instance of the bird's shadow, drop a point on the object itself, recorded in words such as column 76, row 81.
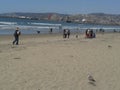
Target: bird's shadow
column 92, row 83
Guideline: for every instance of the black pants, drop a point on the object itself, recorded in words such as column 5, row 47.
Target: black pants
column 16, row 41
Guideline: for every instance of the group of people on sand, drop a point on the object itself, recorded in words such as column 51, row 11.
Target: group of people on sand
column 66, row 33
column 89, row 33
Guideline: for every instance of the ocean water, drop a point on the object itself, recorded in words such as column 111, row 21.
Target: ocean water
column 8, row 25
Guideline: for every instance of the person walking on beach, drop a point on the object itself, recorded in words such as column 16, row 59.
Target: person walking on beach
column 16, row 36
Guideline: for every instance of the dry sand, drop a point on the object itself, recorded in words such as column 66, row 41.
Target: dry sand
column 49, row 62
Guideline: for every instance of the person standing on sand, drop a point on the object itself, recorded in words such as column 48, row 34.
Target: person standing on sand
column 16, row 36
column 64, row 33
column 51, row 30
column 68, row 33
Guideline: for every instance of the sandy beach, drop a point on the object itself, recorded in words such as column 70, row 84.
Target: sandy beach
column 49, row 62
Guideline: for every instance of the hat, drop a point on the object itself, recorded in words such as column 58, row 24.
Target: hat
column 17, row 28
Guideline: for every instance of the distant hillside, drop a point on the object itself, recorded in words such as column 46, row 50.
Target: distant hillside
column 39, row 16
column 93, row 18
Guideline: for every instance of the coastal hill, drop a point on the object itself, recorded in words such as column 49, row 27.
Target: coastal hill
column 93, row 18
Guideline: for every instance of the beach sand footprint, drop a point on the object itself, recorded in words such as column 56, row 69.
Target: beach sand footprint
column 18, row 47
column 17, row 58
column 109, row 46
column 0, row 51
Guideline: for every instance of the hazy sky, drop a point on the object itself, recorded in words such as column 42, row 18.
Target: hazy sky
column 61, row 6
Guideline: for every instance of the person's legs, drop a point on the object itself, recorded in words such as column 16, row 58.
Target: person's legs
column 14, row 41
column 17, row 40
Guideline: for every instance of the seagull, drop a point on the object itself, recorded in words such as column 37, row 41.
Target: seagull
column 90, row 78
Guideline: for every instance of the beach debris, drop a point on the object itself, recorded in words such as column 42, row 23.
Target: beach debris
column 76, row 36
column 91, row 80
column 109, row 46
column 17, row 58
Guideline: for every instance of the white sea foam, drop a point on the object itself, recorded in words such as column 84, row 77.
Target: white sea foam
column 46, row 24
column 23, row 27
column 8, row 23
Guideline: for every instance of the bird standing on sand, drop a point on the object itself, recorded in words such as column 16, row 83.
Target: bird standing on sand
column 91, row 79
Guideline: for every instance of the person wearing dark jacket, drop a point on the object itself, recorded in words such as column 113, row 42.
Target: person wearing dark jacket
column 68, row 33
column 16, row 36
